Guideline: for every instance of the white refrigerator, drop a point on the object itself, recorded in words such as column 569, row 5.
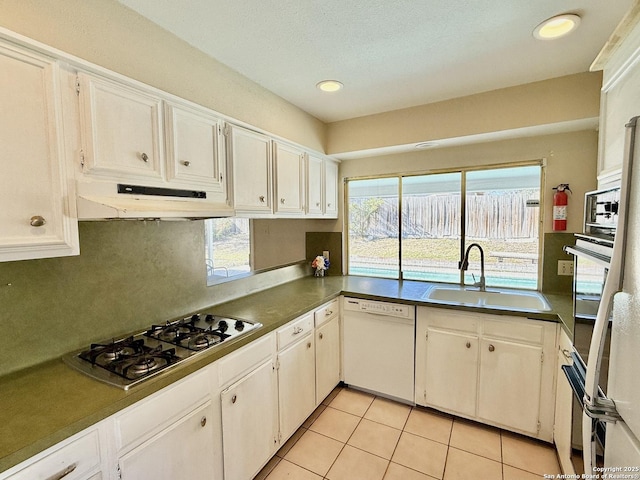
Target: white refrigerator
column 620, row 409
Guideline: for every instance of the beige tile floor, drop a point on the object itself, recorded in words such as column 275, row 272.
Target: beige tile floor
column 356, row 436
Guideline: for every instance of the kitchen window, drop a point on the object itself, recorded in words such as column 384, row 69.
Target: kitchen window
column 417, row 226
column 227, row 248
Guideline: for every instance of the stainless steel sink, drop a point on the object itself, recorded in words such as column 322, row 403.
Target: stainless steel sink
column 495, row 298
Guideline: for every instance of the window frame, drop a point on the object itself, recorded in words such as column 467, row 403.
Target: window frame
column 463, row 199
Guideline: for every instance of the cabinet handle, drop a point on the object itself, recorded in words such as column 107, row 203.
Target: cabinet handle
column 186, row 163
column 37, row 221
column 468, row 344
column 321, row 336
column 234, row 398
column 566, row 353
column 261, row 198
column 328, row 313
column 491, row 348
column 282, row 201
column 144, row 157
column 329, row 205
column 203, row 421
column 317, row 204
column 308, row 344
column 63, row 473
column 297, row 330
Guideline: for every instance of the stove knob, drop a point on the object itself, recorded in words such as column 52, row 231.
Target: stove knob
column 239, row 325
column 209, row 318
column 195, row 318
column 223, row 325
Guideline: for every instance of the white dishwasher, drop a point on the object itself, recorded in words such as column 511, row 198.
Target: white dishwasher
column 379, row 347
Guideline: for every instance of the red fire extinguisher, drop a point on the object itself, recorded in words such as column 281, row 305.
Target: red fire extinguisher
column 560, row 201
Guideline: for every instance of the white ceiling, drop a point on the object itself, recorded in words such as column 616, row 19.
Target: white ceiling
column 389, row 54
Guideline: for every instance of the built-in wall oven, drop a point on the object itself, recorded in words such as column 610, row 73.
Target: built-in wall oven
column 592, row 256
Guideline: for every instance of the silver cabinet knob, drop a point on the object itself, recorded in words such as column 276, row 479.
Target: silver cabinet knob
column 282, row 201
column 491, row 348
column 468, row 344
column 203, row 421
column 321, row 336
column 308, row 344
column 261, row 198
column 329, row 205
column 234, row 398
column 37, row 221
column 317, row 204
column 328, row 313
column 144, row 157
column 186, row 163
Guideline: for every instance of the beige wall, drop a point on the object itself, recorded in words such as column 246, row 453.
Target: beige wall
column 108, row 34
column 564, row 99
column 571, row 158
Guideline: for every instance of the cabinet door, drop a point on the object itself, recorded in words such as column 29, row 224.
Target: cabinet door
column 195, row 150
column 289, row 162
column 251, row 158
column 331, row 189
column 249, row 423
column 38, row 216
column 510, row 376
column 451, row 371
column 327, row 358
column 315, row 185
column 121, row 130
column 183, row 450
column 296, row 385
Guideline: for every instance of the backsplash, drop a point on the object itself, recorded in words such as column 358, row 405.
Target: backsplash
column 551, row 281
column 129, row 274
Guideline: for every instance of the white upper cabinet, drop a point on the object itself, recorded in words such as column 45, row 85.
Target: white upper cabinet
column 331, row 188
column 289, row 176
column 250, row 154
column 315, row 185
column 121, row 130
column 195, row 149
column 37, row 213
column 322, row 187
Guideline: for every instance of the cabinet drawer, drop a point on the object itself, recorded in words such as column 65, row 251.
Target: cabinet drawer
column 152, row 414
column 449, row 319
column 294, row 330
column 78, row 457
column 326, row 312
column 236, row 364
column 515, row 328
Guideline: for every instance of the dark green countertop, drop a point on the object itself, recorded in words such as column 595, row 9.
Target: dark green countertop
column 47, row 403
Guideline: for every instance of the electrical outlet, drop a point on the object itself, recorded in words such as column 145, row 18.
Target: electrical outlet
column 325, row 254
column 565, row 267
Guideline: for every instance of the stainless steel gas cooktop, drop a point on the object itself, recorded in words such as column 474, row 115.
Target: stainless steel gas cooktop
column 128, row 361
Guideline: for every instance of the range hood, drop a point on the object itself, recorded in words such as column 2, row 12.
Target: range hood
column 127, row 201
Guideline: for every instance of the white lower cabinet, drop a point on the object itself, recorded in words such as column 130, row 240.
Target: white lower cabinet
column 249, row 408
column 182, row 450
column 171, row 434
column 454, row 384
column 76, row 458
column 296, row 365
column 499, row 370
column 564, row 402
column 327, row 321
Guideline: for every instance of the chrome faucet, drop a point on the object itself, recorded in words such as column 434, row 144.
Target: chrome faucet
column 464, row 265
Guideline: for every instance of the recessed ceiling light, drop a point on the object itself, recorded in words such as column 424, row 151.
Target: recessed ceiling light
column 329, row 85
column 423, row 145
column 556, row 27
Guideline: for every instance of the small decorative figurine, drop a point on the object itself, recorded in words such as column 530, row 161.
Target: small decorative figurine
column 320, row 264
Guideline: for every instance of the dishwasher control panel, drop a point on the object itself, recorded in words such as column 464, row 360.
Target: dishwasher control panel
column 380, row 308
